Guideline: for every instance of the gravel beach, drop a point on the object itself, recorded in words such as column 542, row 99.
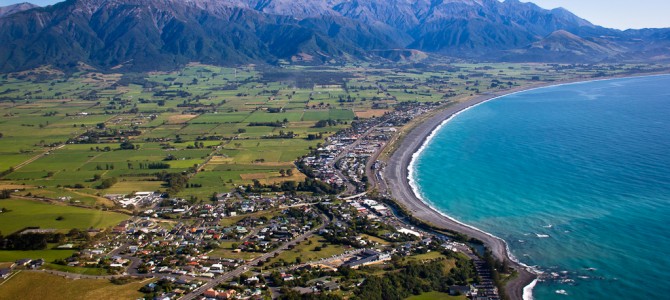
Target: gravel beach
column 396, row 174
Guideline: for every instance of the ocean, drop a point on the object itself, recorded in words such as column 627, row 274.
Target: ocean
column 575, row 178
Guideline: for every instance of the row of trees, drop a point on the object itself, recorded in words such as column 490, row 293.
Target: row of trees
column 314, row 186
column 287, row 172
column 269, row 124
column 30, row 241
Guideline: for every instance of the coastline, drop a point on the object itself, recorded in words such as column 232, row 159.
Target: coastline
column 399, row 174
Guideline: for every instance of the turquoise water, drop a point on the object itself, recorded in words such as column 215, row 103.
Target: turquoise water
column 576, row 178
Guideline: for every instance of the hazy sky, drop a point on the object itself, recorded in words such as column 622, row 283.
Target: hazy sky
column 621, row 14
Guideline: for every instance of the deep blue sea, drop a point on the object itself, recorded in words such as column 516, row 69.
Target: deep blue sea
column 576, row 178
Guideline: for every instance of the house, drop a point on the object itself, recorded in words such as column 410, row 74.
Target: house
column 253, row 280
column 216, row 268
column 38, row 263
column 23, row 262
column 229, row 294
column 330, row 286
column 408, row 231
column 367, row 257
column 211, row 293
column 221, row 295
column 457, row 290
column 5, row 273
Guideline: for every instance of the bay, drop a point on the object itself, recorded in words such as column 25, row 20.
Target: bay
column 576, row 179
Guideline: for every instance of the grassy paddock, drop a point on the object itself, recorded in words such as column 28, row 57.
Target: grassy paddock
column 212, row 107
column 306, row 251
column 47, row 255
column 25, row 213
column 38, row 286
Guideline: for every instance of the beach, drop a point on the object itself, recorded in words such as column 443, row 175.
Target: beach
column 397, row 174
column 399, row 183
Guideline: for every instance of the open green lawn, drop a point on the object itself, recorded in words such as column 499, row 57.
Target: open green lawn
column 47, row 255
column 227, row 253
column 25, row 213
column 38, row 286
column 426, row 256
column 375, row 239
column 77, row 270
column 436, row 296
column 306, row 251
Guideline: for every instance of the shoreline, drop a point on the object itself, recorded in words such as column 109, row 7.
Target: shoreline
column 399, row 173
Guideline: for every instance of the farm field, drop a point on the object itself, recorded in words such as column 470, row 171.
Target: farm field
column 78, row 137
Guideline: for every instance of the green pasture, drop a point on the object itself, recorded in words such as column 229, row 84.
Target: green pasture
column 27, row 213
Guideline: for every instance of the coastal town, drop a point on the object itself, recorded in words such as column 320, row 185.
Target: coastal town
column 252, row 243
column 272, row 189
column 334, row 150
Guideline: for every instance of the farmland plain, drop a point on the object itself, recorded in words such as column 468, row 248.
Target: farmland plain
column 61, row 134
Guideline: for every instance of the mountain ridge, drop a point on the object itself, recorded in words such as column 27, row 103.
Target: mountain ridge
column 15, row 8
column 163, row 34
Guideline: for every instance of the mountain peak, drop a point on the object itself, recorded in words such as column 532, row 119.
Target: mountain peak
column 15, row 8
column 159, row 34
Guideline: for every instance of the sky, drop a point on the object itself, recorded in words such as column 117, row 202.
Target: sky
column 620, row 14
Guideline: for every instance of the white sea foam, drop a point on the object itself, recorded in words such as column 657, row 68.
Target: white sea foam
column 542, row 236
column 527, row 290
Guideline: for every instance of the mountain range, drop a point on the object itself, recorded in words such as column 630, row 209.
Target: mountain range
column 163, row 34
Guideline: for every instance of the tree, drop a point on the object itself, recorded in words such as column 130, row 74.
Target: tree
column 107, row 183
column 127, row 146
column 289, row 172
column 282, row 172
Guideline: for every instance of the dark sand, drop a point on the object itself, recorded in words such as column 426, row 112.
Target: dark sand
column 396, row 173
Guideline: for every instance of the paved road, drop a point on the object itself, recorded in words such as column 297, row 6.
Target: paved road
column 244, row 268
column 350, row 187
column 36, row 157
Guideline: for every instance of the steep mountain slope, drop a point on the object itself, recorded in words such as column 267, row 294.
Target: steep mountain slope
column 15, row 8
column 150, row 34
column 162, row 34
column 563, row 46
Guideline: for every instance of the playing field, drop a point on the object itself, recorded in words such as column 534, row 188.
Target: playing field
column 27, row 213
